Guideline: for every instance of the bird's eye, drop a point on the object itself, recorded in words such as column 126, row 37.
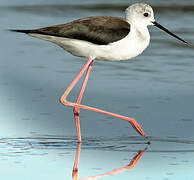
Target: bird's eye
column 146, row 14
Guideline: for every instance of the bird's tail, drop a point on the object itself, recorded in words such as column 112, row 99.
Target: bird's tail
column 21, row 31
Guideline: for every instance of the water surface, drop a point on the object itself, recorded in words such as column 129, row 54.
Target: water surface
column 38, row 137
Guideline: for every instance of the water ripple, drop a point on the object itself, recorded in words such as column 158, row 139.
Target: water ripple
column 128, row 144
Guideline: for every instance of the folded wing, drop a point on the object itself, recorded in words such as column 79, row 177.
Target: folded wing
column 99, row 30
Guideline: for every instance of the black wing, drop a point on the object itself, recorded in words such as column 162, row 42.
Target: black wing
column 99, row 30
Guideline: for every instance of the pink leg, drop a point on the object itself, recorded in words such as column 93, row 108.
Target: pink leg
column 64, row 101
column 76, row 109
column 88, row 66
column 73, row 83
column 132, row 121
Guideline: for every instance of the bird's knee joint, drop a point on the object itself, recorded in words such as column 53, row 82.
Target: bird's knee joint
column 63, row 101
column 76, row 111
column 75, row 170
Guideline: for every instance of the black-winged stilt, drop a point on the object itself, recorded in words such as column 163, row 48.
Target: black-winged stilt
column 102, row 38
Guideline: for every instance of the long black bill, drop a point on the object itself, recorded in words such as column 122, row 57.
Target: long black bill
column 166, row 30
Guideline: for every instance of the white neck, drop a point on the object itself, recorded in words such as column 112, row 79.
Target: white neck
column 139, row 29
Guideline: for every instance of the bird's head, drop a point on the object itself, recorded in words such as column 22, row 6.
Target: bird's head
column 141, row 15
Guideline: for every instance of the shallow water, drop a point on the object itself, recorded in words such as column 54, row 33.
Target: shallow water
column 38, row 137
column 52, row 157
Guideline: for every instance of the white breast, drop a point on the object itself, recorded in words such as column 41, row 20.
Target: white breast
column 131, row 46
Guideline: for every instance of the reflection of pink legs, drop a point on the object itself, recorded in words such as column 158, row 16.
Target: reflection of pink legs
column 77, row 105
column 131, row 165
column 75, row 167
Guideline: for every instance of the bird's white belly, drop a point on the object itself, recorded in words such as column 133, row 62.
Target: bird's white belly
column 124, row 49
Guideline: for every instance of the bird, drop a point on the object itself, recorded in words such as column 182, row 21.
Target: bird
column 101, row 38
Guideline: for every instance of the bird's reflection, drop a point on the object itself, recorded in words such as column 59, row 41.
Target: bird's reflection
column 131, row 165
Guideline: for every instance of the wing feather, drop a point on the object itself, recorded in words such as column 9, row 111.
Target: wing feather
column 99, row 30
